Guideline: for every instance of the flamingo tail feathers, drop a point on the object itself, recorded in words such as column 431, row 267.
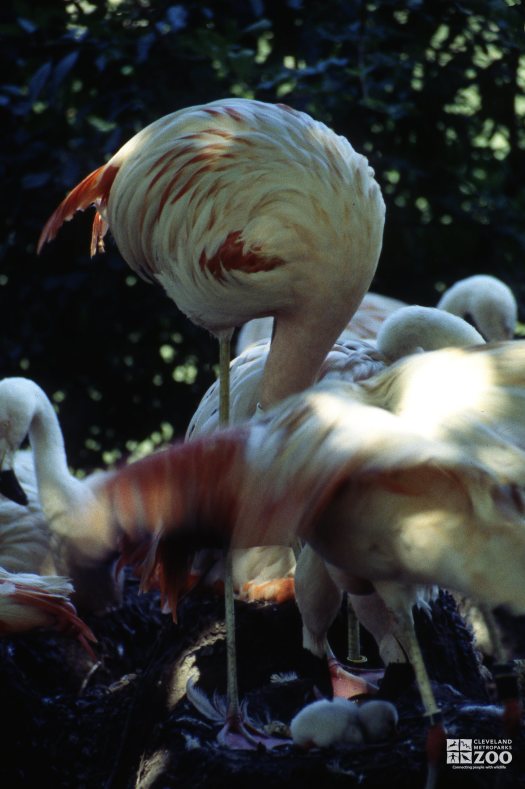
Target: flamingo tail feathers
column 29, row 601
column 93, row 190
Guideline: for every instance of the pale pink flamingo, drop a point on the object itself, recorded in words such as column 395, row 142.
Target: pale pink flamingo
column 241, row 209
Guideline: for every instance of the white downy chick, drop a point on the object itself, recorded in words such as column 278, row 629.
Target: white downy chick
column 378, row 720
column 325, row 723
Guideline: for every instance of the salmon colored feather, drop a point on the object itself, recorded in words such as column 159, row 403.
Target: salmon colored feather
column 92, row 190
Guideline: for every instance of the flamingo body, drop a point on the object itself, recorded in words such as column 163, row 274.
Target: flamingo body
column 239, row 209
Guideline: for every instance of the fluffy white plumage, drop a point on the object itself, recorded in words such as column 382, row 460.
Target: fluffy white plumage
column 326, row 723
column 24, row 533
column 408, row 330
column 31, row 594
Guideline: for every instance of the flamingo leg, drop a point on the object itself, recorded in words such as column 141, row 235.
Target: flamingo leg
column 346, row 684
column 436, row 735
column 354, row 636
column 231, row 652
column 236, row 733
column 224, row 379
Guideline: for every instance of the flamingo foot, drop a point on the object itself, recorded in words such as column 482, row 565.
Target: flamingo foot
column 346, row 685
column 239, row 734
column 236, row 731
column 277, row 591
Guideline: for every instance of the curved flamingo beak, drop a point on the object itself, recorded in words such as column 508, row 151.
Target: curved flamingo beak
column 11, row 488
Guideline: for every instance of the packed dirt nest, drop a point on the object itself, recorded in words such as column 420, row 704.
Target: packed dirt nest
column 126, row 722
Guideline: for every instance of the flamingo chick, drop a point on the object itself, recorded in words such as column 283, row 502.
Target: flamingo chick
column 326, row 723
column 486, row 302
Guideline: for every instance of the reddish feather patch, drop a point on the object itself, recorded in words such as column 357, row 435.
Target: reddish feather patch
column 232, row 256
column 234, row 114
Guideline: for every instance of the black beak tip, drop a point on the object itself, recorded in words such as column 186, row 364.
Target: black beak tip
column 11, row 488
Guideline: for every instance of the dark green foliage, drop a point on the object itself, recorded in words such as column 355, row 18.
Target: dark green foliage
column 433, row 93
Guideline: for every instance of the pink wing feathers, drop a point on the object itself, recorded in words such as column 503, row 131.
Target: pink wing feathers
column 172, row 503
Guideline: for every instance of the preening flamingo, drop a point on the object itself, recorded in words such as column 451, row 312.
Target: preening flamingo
column 45, row 535
column 240, row 209
column 482, row 300
column 486, row 302
column 394, row 499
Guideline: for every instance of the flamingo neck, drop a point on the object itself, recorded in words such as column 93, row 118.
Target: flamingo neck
column 55, row 482
column 299, row 347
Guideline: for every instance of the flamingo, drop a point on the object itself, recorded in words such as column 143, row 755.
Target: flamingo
column 376, row 491
column 231, row 206
column 487, row 302
column 405, row 331
column 482, row 300
column 240, row 209
column 43, row 536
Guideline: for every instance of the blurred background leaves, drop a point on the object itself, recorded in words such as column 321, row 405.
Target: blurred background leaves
column 432, row 93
